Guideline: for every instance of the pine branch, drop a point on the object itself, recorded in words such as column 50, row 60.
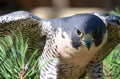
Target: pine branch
column 13, row 63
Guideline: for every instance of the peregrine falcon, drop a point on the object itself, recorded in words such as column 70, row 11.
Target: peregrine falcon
column 70, row 45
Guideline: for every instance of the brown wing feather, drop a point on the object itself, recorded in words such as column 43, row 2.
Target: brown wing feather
column 27, row 24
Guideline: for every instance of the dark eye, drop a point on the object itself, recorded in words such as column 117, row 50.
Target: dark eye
column 96, row 32
column 79, row 32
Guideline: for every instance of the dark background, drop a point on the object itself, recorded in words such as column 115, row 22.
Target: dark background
column 7, row 6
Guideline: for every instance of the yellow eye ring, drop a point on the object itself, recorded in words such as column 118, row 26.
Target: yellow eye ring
column 79, row 33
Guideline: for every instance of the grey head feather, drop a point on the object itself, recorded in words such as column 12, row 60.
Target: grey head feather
column 78, row 21
column 108, row 18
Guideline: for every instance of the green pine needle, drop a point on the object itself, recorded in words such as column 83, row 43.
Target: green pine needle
column 116, row 11
column 13, row 63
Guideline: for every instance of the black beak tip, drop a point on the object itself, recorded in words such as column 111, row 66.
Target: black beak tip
column 88, row 45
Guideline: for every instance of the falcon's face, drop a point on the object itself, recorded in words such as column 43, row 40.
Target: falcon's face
column 83, row 33
column 85, row 30
column 94, row 37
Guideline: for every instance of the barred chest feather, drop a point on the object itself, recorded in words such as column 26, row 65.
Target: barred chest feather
column 70, row 71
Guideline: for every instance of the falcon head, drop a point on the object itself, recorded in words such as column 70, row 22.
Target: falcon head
column 85, row 30
column 81, row 33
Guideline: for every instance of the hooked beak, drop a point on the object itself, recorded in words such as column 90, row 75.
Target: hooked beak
column 88, row 39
